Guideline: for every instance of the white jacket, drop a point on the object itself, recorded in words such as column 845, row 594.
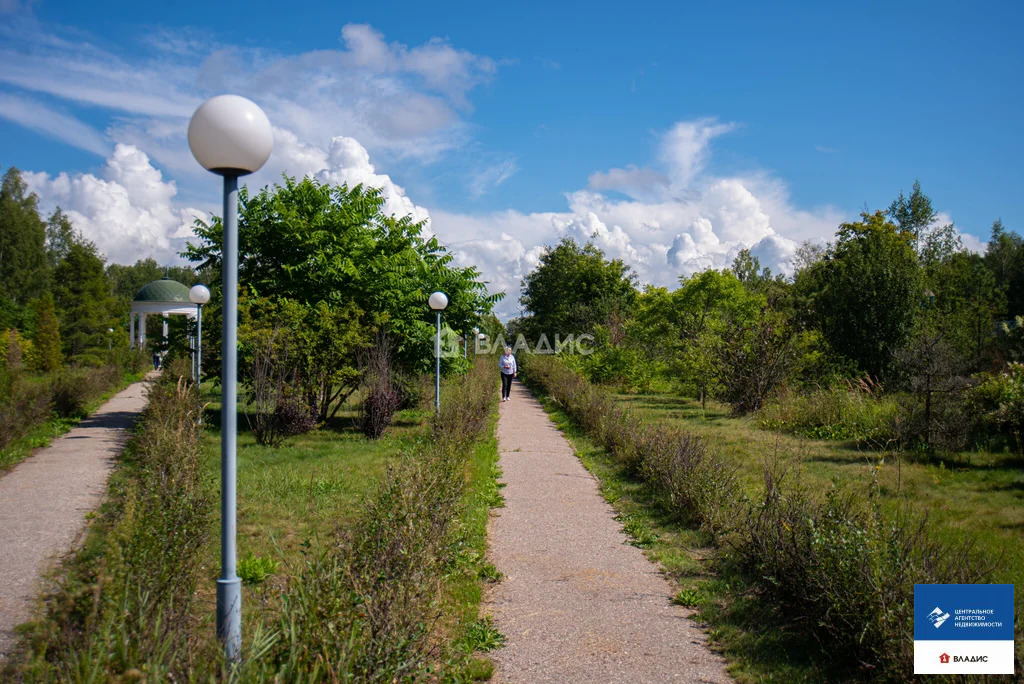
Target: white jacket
column 507, row 364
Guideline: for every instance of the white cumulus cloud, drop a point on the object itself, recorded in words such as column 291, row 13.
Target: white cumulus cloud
column 127, row 211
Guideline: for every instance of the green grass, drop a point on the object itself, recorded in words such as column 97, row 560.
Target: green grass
column 42, row 434
column 976, row 496
column 290, row 495
column 465, row 588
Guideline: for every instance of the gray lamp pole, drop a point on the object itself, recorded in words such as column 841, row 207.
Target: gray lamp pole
column 199, row 294
column 438, row 301
column 230, row 136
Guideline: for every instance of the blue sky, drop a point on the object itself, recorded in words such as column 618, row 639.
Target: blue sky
column 673, row 133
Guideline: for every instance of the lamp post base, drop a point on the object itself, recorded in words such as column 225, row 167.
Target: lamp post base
column 229, row 616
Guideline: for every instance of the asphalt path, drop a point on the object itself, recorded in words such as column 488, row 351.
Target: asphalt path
column 577, row 602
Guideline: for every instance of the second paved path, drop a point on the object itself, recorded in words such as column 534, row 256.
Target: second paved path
column 45, row 498
column 577, row 602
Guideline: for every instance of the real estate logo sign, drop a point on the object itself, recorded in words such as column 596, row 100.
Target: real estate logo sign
column 963, row 629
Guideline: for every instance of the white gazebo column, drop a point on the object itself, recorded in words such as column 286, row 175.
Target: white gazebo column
column 142, row 330
column 164, row 340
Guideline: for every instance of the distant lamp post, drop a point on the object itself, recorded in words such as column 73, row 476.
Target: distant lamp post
column 477, row 336
column 199, row 295
column 230, row 136
column 438, row 301
column 110, row 339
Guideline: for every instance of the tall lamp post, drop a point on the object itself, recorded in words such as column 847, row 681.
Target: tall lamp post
column 199, row 295
column 230, row 136
column 438, row 301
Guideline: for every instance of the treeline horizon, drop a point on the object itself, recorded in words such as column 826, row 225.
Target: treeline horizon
column 894, row 302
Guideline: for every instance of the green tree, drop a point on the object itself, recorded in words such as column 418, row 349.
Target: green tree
column 23, row 269
column 684, row 329
column 322, row 340
column 311, row 242
column 747, row 268
column 913, row 214
column 866, row 292
column 60, row 235
column 964, row 304
column 1005, row 258
column 47, row 338
column 710, row 295
column 574, row 289
column 83, row 302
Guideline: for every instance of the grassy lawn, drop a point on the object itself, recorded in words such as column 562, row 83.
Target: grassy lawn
column 299, row 493
column 977, row 496
column 290, row 495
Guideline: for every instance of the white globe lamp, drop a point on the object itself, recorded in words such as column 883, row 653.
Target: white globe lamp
column 230, row 136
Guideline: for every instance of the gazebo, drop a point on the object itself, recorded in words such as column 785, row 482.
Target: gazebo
column 164, row 297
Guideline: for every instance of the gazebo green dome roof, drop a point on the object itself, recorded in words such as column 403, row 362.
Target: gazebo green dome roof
column 163, row 290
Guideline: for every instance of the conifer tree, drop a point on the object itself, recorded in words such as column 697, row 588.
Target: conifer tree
column 47, row 340
column 83, row 301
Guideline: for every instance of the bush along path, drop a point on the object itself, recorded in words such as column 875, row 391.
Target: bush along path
column 577, row 602
column 45, row 499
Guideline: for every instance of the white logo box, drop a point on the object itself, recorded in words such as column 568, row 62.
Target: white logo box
column 927, row 656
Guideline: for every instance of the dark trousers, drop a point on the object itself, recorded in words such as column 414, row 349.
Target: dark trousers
column 506, row 385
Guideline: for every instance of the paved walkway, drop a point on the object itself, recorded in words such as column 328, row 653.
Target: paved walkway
column 577, row 603
column 44, row 500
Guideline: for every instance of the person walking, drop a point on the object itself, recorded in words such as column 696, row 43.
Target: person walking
column 509, row 370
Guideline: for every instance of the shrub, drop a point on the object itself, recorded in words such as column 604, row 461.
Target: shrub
column 414, row 391
column 292, row 416
column 626, row 368
column 999, row 399
column 937, row 418
column 465, row 408
column 381, row 395
column 28, row 405
column 256, row 569
column 845, row 570
column 756, row 359
column 697, row 487
column 73, row 389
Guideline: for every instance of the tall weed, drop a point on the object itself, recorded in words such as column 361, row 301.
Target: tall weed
column 845, row 410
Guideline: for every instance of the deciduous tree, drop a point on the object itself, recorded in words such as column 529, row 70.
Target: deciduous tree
column 866, row 292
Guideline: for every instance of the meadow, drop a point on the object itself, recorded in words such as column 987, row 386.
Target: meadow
column 973, row 496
